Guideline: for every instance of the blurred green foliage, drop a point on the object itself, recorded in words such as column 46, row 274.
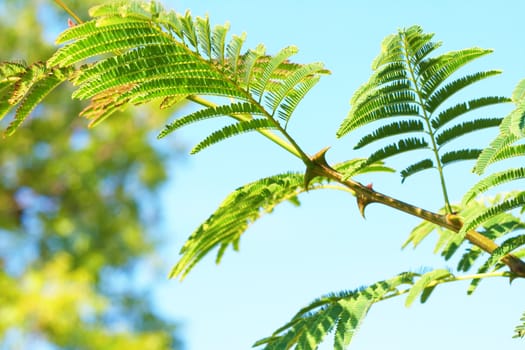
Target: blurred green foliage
column 77, row 212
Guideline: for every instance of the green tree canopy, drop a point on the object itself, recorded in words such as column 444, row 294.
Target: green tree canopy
column 77, row 214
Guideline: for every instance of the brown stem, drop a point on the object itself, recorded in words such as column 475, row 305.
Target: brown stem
column 366, row 195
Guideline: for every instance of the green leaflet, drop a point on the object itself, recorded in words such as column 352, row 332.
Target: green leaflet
column 463, row 154
column 462, row 108
column 235, row 109
column 424, row 283
column 415, row 168
column 407, row 93
column 148, row 64
column 268, row 69
column 9, row 72
column 458, row 130
column 509, row 151
column 440, row 96
column 204, row 34
column 401, row 146
column 233, row 51
column 395, row 128
column 496, row 221
column 341, row 312
column 360, row 166
column 232, row 130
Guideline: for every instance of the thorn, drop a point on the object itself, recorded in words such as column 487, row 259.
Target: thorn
column 362, row 202
column 316, row 159
column 70, row 23
column 370, row 186
column 319, row 157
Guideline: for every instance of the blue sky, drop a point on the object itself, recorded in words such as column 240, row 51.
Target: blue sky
column 291, row 257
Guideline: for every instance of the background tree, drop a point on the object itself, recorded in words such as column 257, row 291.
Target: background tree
column 77, row 214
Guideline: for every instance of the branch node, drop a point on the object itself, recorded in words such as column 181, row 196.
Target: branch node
column 317, row 161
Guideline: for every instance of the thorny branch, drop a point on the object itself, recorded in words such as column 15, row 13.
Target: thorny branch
column 366, row 195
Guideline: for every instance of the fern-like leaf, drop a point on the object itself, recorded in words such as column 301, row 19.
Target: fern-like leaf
column 342, row 313
column 134, row 53
column 245, row 205
column 412, row 87
column 10, row 74
column 501, row 148
column 518, row 95
column 510, row 151
column 234, row 215
column 356, row 166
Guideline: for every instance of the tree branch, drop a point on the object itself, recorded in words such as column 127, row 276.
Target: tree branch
column 366, row 195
